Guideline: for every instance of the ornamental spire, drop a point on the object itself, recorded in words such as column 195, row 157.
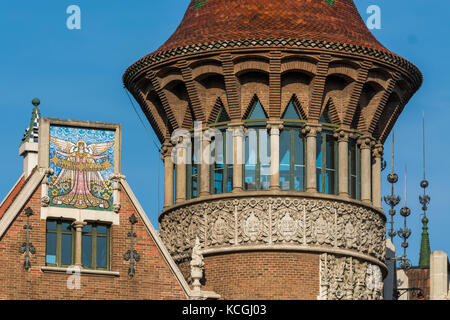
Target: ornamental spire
column 32, row 132
column 425, row 251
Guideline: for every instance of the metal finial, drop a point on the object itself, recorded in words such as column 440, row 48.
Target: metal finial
column 36, row 102
column 425, row 251
column 392, row 200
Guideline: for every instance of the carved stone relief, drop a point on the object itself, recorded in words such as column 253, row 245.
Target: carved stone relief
column 347, row 278
column 269, row 221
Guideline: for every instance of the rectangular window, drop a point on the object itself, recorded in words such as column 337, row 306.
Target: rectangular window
column 96, row 246
column 292, row 165
column 257, row 160
column 354, row 167
column 59, row 243
column 326, row 163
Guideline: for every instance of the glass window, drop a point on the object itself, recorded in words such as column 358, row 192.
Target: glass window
column 257, row 160
column 326, row 163
column 292, row 165
column 221, row 172
column 96, row 246
column 59, row 243
column 192, row 173
column 354, row 167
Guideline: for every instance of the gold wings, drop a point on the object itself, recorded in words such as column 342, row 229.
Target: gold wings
column 99, row 148
column 64, row 145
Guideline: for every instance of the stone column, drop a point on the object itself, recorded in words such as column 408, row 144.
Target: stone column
column 402, row 283
column 438, row 275
column 181, row 157
column 311, row 131
column 378, row 152
column 238, row 156
column 78, row 225
column 205, row 184
column 166, row 152
column 274, row 128
column 366, row 143
column 342, row 137
column 390, row 282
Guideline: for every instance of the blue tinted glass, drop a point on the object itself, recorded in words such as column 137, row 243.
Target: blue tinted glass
column 51, row 248
column 65, row 226
column 66, row 249
column 51, row 225
column 291, row 112
column 102, row 229
column 101, row 252
column 250, row 177
column 230, row 178
column 87, row 228
column 86, row 251
column 257, row 112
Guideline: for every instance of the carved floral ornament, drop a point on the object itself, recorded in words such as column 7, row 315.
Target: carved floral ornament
column 347, row 278
column 267, row 221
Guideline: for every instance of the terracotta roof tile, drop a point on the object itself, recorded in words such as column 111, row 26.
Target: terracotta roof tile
column 267, row 19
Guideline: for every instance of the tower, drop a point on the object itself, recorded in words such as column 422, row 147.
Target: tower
column 294, row 100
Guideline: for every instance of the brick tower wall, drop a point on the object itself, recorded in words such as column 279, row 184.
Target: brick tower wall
column 261, row 275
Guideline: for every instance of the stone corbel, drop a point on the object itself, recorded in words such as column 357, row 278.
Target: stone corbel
column 116, row 178
column 45, row 199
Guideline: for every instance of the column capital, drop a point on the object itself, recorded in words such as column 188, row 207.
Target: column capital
column 238, row 129
column 366, row 142
column 274, row 126
column 342, row 135
column 378, row 151
column 78, row 224
column 311, row 129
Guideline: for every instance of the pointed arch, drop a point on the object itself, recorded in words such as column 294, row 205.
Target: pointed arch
column 254, row 103
column 293, row 110
column 299, row 107
column 218, row 113
column 330, row 113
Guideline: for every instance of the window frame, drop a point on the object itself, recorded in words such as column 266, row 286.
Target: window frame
column 354, row 147
column 59, row 232
column 257, row 125
column 94, row 245
column 327, row 134
column 294, row 127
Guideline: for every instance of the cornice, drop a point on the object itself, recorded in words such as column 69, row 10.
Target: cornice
column 148, row 61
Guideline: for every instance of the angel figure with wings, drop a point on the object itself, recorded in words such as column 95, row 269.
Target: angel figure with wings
column 81, row 164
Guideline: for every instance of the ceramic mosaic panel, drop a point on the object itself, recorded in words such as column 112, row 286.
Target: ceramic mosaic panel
column 82, row 160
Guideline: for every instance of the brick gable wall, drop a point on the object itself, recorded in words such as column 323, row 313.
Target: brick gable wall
column 154, row 279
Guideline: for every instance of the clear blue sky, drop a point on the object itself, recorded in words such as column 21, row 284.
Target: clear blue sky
column 77, row 75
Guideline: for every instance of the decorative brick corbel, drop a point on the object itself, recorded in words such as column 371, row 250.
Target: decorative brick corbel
column 116, row 178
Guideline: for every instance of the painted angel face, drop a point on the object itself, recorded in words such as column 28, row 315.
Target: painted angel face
column 81, row 145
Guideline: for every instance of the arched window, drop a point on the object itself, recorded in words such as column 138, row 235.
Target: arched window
column 257, row 150
column 326, row 157
column 354, row 168
column 292, row 151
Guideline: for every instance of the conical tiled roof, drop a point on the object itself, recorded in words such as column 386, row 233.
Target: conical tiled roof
column 216, row 20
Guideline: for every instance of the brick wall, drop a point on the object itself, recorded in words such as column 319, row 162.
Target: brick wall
column 153, row 279
column 261, row 275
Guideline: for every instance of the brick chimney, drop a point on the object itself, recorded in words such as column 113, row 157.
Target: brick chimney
column 29, row 146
